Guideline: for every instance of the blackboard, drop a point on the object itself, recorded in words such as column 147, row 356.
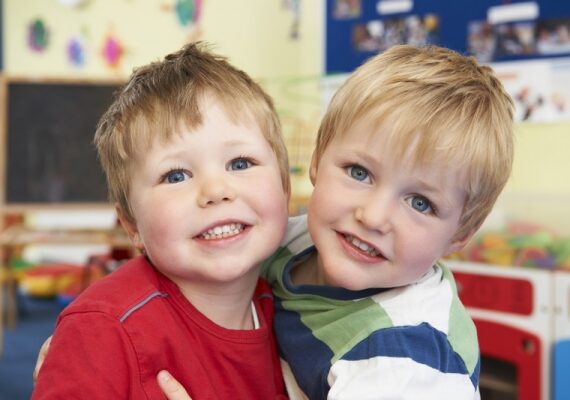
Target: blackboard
column 50, row 157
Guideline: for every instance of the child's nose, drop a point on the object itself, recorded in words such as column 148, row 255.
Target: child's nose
column 375, row 213
column 215, row 191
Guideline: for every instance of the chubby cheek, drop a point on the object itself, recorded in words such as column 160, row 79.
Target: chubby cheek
column 323, row 208
column 276, row 212
column 159, row 226
column 414, row 258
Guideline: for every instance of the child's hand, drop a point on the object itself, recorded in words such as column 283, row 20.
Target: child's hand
column 171, row 388
column 41, row 358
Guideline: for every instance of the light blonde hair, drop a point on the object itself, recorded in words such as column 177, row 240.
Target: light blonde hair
column 161, row 95
column 444, row 106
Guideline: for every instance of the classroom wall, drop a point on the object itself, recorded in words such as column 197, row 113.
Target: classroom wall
column 256, row 36
column 539, row 188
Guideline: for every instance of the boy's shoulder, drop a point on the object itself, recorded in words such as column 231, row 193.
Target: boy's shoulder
column 296, row 240
column 118, row 291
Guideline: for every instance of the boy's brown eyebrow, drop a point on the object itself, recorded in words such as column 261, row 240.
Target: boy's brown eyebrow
column 180, row 152
column 356, row 155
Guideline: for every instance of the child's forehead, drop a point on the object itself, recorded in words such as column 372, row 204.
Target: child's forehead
column 404, row 139
column 410, row 147
column 171, row 126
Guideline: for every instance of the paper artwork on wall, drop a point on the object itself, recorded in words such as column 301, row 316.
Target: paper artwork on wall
column 72, row 3
column 519, row 40
column 347, row 9
column 112, row 51
column 76, row 52
column 539, row 88
column 379, row 35
column 294, row 6
column 188, row 11
column 38, row 35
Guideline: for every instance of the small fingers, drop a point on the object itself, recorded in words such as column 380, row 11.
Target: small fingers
column 41, row 358
column 171, row 388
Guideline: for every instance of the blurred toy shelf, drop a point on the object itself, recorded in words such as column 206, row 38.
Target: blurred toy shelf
column 91, row 248
column 515, row 283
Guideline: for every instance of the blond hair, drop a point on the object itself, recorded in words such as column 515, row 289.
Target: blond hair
column 444, row 106
column 161, row 95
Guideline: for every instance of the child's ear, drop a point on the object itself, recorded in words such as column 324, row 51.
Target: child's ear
column 129, row 227
column 459, row 243
column 313, row 168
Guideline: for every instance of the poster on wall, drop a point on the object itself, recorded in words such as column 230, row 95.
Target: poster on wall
column 491, row 30
column 540, row 89
column 525, row 39
column 518, row 38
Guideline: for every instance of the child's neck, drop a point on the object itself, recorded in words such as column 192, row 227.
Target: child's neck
column 226, row 304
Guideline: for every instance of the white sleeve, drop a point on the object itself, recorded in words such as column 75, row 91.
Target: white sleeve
column 383, row 378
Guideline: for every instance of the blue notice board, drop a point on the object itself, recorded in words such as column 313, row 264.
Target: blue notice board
column 358, row 29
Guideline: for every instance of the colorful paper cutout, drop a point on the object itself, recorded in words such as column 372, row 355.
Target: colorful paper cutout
column 188, row 11
column 37, row 36
column 112, row 51
column 76, row 52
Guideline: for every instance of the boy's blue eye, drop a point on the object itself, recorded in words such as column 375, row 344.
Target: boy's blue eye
column 421, row 204
column 175, row 176
column 358, row 173
column 239, row 164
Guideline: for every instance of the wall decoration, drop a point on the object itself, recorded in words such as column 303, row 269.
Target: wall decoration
column 76, row 52
column 378, row 35
column 38, row 35
column 188, row 11
column 188, row 14
column 73, row 3
column 492, row 30
column 537, row 88
column 347, row 9
column 112, row 51
column 519, row 40
column 293, row 6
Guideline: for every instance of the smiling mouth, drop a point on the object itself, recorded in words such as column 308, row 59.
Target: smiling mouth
column 222, row 231
column 362, row 246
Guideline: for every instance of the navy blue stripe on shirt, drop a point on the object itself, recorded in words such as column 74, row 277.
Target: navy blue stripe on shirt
column 307, row 362
column 410, row 342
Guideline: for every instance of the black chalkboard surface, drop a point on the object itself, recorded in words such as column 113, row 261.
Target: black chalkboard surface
column 50, row 157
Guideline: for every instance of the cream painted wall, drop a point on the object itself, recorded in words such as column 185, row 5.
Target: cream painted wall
column 254, row 34
column 542, row 162
column 539, row 188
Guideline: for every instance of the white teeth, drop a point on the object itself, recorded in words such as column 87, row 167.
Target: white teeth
column 362, row 246
column 222, row 231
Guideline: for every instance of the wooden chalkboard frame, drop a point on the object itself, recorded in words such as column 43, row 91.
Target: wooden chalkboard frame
column 7, row 83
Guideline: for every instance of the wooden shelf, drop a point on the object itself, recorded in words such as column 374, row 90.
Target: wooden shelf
column 18, row 235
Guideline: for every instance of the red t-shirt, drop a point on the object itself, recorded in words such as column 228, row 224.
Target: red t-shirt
column 113, row 339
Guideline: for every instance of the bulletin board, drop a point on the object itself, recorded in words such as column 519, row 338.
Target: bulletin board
column 47, row 133
column 356, row 30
